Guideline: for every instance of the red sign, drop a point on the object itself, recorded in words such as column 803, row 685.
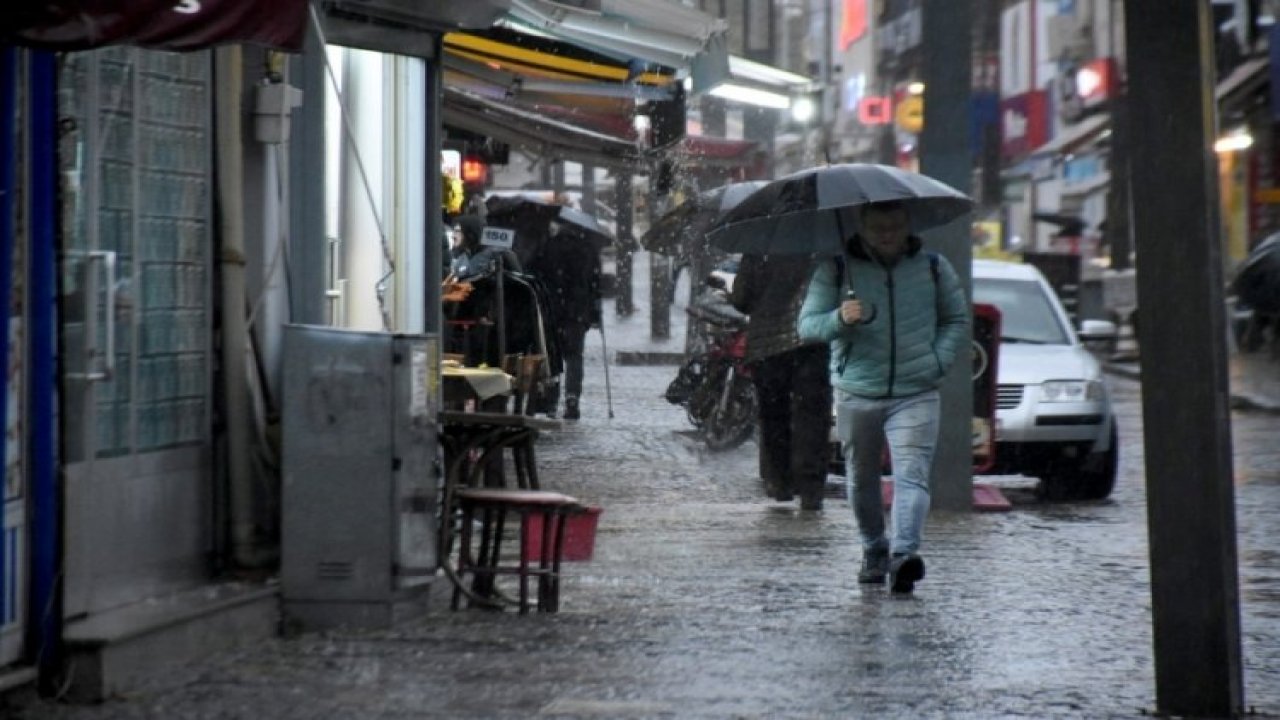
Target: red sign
column 474, row 171
column 853, row 22
column 1085, row 87
column 1024, row 123
column 1096, row 81
column 875, row 110
column 166, row 24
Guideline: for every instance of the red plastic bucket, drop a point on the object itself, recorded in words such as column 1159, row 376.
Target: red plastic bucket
column 579, row 535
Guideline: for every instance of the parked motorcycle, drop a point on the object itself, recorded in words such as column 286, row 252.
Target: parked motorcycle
column 714, row 385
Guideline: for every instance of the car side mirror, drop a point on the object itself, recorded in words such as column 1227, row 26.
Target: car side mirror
column 1097, row 330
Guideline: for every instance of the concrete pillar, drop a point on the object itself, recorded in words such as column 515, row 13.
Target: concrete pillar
column 1195, row 589
column 623, row 304
column 944, row 154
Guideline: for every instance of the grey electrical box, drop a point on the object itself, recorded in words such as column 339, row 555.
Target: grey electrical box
column 361, row 476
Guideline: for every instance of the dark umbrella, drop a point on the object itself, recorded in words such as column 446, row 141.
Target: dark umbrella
column 680, row 228
column 811, row 211
column 1257, row 280
column 524, row 209
column 1070, row 224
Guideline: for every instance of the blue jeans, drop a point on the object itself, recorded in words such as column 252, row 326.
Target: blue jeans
column 910, row 425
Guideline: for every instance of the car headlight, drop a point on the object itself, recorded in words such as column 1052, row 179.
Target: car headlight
column 1071, row 391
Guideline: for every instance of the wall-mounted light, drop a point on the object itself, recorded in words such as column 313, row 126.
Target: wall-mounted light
column 751, row 96
column 1234, row 142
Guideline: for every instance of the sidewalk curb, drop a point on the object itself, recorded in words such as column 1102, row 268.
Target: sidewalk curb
column 1239, row 401
column 646, row 357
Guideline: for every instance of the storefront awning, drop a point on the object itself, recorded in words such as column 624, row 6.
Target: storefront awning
column 538, row 132
column 653, row 32
column 162, row 24
column 1248, row 77
column 1075, row 137
column 702, row 151
column 528, row 69
column 404, row 27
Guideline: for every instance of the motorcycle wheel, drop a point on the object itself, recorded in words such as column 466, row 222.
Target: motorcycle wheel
column 706, row 393
column 729, row 426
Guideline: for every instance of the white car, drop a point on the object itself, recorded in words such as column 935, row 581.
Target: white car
column 1053, row 413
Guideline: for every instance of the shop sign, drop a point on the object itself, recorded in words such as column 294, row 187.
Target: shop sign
column 504, row 238
column 853, row 22
column 910, row 114
column 875, row 110
column 1023, row 124
column 1085, row 88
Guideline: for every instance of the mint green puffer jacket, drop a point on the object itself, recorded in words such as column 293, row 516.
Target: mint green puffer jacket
column 918, row 328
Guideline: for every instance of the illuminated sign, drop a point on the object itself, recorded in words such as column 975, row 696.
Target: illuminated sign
column 1085, row 88
column 875, row 110
column 474, row 171
column 910, row 114
column 853, row 22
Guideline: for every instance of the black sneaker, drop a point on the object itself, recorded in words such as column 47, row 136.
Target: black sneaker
column 571, row 409
column 904, row 571
column 875, row 564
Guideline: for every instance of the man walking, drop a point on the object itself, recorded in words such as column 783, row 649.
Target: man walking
column 570, row 268
column 896, row 318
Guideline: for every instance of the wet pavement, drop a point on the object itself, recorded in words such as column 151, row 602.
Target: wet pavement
column 705, row 600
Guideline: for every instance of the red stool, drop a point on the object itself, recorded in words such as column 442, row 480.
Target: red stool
column 492, row 506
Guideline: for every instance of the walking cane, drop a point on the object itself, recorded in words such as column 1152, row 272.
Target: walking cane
column 608, row 389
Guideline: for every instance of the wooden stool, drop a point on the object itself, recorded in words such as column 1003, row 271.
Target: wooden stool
column 492, row 506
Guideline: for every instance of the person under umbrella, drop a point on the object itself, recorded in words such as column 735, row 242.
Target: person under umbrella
column 896, row 318
column 681, row 231
column 790, row 377
column 570, row 268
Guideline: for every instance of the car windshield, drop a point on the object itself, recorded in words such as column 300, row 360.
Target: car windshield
column 1026, row 313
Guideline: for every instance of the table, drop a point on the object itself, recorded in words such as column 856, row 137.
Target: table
column 482, row 385
column 474, row 441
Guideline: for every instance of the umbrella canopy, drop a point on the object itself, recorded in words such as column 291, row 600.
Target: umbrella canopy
column 1070, row 224
column 522, row 210
column 680, row 228
column 1258, row 277
column 814, row 210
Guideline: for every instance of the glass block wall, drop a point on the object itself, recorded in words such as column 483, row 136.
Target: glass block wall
column 141, row 150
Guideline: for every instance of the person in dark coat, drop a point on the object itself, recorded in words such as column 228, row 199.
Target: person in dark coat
column 569, row 267
column 791, row 378
column 469, row 297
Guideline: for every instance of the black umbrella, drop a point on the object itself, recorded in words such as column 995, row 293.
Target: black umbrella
column 519, row 210
column 682, row 227
column 1070, row 224
column 813, row 210
column 1257, row 280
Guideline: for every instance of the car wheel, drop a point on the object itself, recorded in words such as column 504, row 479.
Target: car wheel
column 1092, row 479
